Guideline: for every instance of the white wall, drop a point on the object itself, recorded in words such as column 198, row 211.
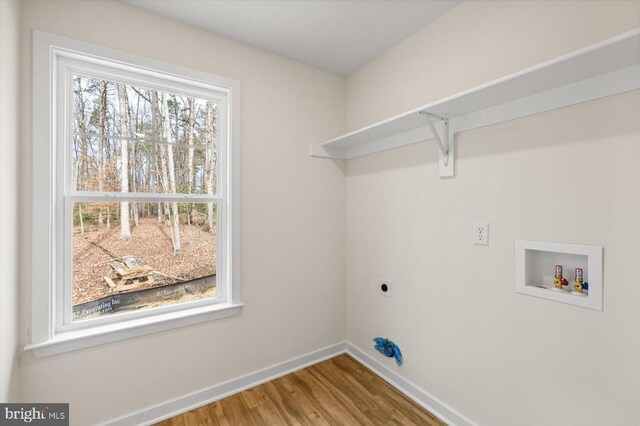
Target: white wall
column 9, row 71
column 571, row 175
column 292, row 223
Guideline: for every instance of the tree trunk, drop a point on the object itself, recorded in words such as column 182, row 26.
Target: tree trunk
column 172, row 172
column 81, row 158
column 190, row 170
column 125, row 229
column 135, row 206
column 157, row 178
column 102, row 120
column 81, row 218
column 209, row 170
column 164, row 175
column 136, row 175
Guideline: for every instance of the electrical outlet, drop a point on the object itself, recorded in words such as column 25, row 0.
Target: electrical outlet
column 384, row 287
column 481, row 233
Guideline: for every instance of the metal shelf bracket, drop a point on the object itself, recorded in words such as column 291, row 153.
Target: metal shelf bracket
column 445, row 143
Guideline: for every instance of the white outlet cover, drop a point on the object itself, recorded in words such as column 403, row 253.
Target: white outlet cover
column 384, row 281
column 481, row 233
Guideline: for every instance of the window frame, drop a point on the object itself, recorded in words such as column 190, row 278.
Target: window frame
column 66, row 70
column 55, row 60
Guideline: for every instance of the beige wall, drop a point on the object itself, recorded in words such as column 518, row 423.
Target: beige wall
column 497, row 357
column 292, row 223
column 475, row 43
column 9, row 71
column 571, row 175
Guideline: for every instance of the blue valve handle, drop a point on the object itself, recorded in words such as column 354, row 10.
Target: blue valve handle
column 388, row 348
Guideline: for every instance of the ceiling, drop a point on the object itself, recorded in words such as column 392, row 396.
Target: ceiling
column 336, row 35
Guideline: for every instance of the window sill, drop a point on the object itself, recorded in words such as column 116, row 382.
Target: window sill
column 126, row 329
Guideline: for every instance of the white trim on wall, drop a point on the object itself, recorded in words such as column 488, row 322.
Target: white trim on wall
column 191, row 401
column 217, row 392
column 438, row 408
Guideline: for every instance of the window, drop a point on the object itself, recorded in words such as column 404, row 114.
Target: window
column 135, row 195
column 131, row 150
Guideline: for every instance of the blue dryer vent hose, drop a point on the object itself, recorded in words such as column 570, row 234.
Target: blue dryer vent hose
column 388, row 348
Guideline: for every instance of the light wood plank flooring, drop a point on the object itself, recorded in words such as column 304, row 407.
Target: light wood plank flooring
column 339, row 391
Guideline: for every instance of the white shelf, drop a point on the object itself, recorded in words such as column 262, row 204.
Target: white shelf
column 603, row 69
column 535, row 268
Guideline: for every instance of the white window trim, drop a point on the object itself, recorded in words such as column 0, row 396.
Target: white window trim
column 46, row 338
column 65, row 69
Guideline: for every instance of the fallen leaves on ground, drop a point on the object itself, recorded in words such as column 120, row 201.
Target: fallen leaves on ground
column 151, row 242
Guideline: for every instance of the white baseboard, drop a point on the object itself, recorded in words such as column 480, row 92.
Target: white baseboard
column 411, row 390
column 208, row 395
column 174, row 407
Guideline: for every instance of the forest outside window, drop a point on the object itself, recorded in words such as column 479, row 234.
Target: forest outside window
column 134, row 253
column 142, row 195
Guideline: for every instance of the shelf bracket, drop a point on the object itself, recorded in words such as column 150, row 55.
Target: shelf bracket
column 445, row 143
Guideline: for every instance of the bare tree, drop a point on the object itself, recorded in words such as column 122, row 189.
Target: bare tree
column 81, row 154
column 125, row 229
column 209, row 166
column 135, row 207
column 102, row 120
column 133, row 126
column 190, row 169
column 171, row 171
column 155, row 114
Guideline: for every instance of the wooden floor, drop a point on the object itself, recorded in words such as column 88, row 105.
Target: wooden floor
column 339, row 391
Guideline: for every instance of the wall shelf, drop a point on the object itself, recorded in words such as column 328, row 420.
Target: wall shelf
column 603, row 69
column 535, row 268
